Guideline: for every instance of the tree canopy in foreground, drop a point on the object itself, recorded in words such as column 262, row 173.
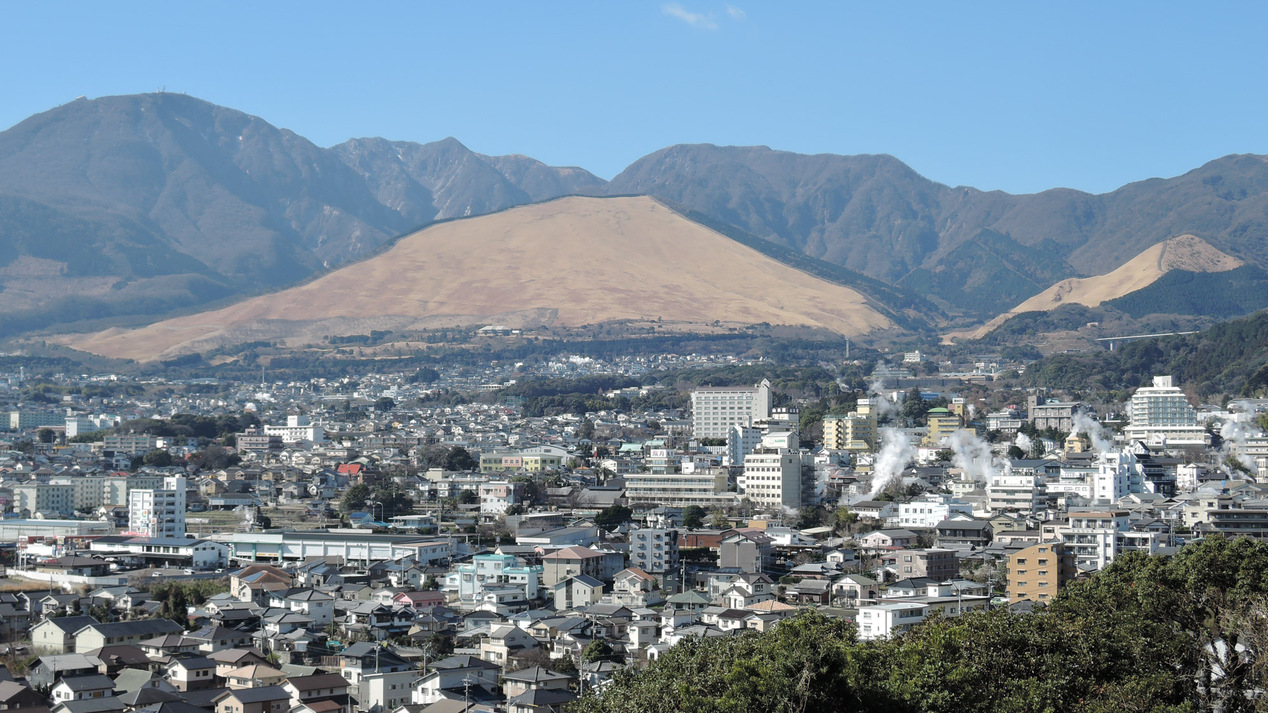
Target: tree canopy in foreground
column 1146, row 634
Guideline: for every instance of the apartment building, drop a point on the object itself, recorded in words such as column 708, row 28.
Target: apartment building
column 1038, row 572
column 654, row 550
column 772, row 473
column 855, row 431
column 158, row 512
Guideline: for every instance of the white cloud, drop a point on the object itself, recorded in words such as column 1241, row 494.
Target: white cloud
column 736, row 13
column 695, row 19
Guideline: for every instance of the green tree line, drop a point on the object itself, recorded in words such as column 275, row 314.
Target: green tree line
column 1148, row 633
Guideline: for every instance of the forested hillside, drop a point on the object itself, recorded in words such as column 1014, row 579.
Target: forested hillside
column 1229, row 358
column 1145, row 634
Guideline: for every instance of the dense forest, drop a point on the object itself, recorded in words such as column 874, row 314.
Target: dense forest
column 1147, row 633
column 1229, row 358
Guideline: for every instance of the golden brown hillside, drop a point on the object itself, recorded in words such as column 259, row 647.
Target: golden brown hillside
column 1186, row 252
column 572, row 261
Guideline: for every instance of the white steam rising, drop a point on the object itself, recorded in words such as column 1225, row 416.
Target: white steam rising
column 973, row 456
column 1102, row 442
column 1023, row 442
column 896, row 453
column 884, row 407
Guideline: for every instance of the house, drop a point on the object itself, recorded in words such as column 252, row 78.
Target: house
column 48, row 669
column 504, row 642
column 57, row 635
column 634, row 587
column 854, row 588
column 963, row 534
column 75, row 688
column 15, row 695
column 95, row 635
column 366, row 657
column 575, row 592
column 329, row 687
column 810, row 591
column 746, row 550
column 743, row 590
column 534, row 679
column 571, row 562
column 382, row 692
column 265, row 699
column 540, row 701
column 256, row 582
column 317, row 606
column 888, row 540
column 230, row 659
column 451, row 675
column 116, row 658
column 419, row 600
column 192, row 673
column 214, row 638
column 254, row 676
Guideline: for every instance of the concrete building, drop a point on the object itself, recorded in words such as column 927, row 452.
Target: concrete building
column 855, row 431
column 772, row 473
column 1162, row 416
column 136, row 444
column 1012, row 491
column 297, row 429
column 937, row 564
column 889, row 619
column 1044, row 414
column 654, row 550
column 158, row 512
column 941, row 423
column 706, row 487
column 21, row 420
column 930, row 509
column 715, row 410
column 45, row 499
column 1038, row 572
column 1095, row 538
column 740, row 441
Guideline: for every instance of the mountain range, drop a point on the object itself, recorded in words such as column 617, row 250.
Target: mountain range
column 132, row 207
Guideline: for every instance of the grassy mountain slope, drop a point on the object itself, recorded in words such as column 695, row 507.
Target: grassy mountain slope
column 1186, row 253
column 572, row 262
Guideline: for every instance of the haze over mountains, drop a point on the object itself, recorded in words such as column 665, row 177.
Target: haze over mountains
column 140, row 205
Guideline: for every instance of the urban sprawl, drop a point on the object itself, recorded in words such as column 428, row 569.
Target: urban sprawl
column 391, row 544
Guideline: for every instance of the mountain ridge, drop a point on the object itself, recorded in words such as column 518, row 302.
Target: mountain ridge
column 156, row 202
column 612, row 259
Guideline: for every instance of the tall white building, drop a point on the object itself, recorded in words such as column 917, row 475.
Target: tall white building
column 715, row 410
column 772, row 472
column 158, row 512
column 1161, row 415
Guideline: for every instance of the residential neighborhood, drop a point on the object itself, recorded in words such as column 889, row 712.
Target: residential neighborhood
column 357, row 547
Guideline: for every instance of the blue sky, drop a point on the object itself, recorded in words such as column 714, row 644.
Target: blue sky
column 1015, row 96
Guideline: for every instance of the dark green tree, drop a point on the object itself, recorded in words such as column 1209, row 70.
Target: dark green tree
column 693, row 517
column 354, row 498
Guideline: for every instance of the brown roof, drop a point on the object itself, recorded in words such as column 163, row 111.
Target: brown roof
column 316, row 681
column 573, row 553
